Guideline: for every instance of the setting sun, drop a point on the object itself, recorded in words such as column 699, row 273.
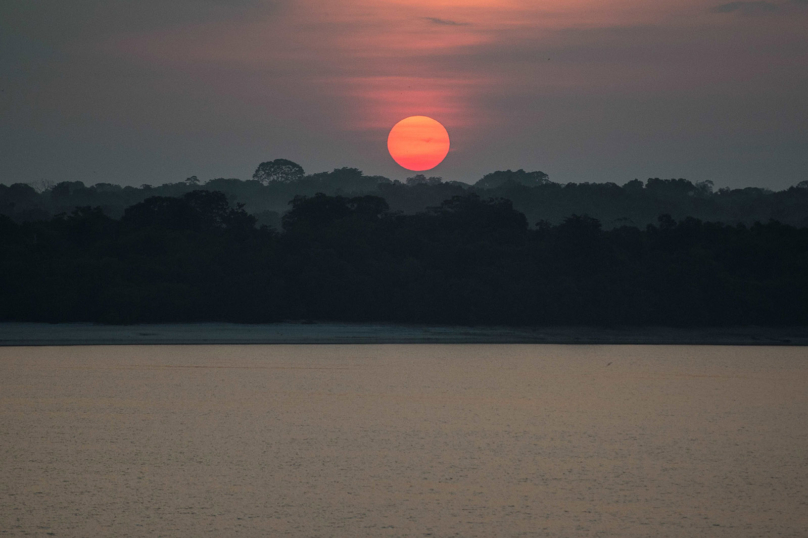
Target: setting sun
column 418, row 143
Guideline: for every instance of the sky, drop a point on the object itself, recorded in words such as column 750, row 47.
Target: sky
column 149, row 91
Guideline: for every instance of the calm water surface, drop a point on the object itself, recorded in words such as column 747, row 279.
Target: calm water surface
column 404, row 440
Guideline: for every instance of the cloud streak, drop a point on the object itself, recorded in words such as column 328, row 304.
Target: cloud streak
column 444, row 22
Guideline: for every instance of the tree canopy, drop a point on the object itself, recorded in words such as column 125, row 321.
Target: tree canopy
column 277, row 182
column 468, row 260
column 279, row 170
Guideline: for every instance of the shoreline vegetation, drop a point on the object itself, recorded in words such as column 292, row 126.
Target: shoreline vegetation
column 452, row 255
column 83, row 334
column 468, row 262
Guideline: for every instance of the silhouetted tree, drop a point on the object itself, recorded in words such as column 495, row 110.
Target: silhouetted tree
column 421, row 179
column 196, row 211
column 279, row 170
column 520, row 177
column 65, row 189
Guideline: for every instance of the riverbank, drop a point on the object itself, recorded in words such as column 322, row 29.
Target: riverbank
column 67, row 334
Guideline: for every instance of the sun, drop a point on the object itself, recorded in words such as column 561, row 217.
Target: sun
column 418, row 143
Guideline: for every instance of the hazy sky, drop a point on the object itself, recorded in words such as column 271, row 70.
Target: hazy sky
column 153, row 91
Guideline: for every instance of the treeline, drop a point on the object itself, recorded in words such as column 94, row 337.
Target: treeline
column 276, row 183
column 469, row 260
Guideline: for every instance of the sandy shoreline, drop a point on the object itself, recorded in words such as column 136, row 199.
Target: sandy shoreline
column 66, row 334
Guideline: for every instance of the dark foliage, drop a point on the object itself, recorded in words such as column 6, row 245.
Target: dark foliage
column 277, row 182
column 520, row 177
column 280, row 170
column 468, row 260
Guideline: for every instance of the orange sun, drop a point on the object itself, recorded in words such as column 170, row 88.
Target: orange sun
column 418, row 143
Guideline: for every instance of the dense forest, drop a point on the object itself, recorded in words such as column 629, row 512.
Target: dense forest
column 469, row 259
column 274, row 184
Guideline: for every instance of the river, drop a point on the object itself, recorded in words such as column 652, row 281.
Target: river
column 404, row 441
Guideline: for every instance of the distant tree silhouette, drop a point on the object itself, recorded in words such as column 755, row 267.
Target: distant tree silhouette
column 476, row 217
column 671, row 188
column 277, row 182
column 421, row 179
column 342, row 180
column 705, row 188
column 65, row 189
column 279, row 170
column 321, row 211
column 519, row 177
column 635, row 186
column 195, row 211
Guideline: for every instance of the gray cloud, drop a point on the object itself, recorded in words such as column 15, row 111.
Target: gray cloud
column 52, row 22
column 746, row 8
column 444, row 22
